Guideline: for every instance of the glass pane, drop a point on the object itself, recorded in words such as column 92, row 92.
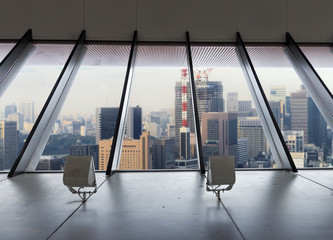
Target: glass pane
column 229, row 121
column 90, row 111
column 303, row 127
column 321, row 58
column 5, row 49
column 26, row 95
column 157, row 136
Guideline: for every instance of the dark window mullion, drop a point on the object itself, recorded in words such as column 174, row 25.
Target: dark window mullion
column 194, row 104
column 317, row 89
column 12, row 58
column 34, row 145
column 118, row 136
column 273, row 134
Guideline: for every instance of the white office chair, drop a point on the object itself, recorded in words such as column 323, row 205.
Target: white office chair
column 79, row 172
column 221, row 173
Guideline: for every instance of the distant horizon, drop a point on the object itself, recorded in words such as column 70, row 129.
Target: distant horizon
column 86, row 93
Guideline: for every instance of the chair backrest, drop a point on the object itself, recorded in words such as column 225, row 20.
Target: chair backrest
column 221, row 170
column 79, row 171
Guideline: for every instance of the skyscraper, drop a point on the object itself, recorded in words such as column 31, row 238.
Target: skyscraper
column 185, row 150
column 251, row 129
column 106, row 119
column 232, row 102
column 77, row 126
column 278, row 93
column 244, row 106
column 299, row 112
column 27, row 110
column 163, row 153
column 316, row 125
column 209, row 99
column 277, row 108
column 242, row 152
column 17, row 117
column 220, row 129
column 134, row 122
column 135, row 154
column 10, row 109
column 8, row 144
column 286, row 120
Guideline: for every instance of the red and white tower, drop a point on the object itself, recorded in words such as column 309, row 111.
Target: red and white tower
column 185, row 152
column 184, row 97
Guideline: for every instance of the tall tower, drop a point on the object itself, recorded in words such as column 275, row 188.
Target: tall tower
column 232, row 102
column 299, row 112
column 10, row 109
column 251, row 129
column 106, row 119
column 220, row 129
column 8, row 144
column 27, row 110
column 135, row 154
column 134, row 122
column 209, row 98
column 316, row 125
column 185, row 148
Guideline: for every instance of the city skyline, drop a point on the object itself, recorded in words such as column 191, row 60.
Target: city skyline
column 156, row 89
column 107, row 90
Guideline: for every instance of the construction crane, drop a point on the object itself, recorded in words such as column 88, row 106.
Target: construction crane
column 202, row 75
column 206, row 73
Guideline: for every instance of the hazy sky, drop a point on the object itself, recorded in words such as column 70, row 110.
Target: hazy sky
column 152, row 89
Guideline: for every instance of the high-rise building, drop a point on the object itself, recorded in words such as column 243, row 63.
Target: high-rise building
column 154, row 129
column 18, row 118
column 242, row 152
column 294, row 140
column 313, row 155
column 185, row 147
column 77, row 124
column 286, row 120
column 220, row 129
column 171, row 130
column 134, row 122
column 163, row 153
column 106, row 119
column 251, row 129
column 232, row 102
column 278, row 93
column 244, row 106
column 10, row 109
column 209, row 99
column 86, row 150
column 299, row 112
column 316, row 125
column 27, row 110
column 277, row 108
column 8, row 144
column 163, row 118
column 135, row 154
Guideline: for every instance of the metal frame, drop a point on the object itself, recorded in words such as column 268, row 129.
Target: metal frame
column 29, row 156
column 272, row 132
column 115, row 153
column 317, row 89
column 195, row 105
column 12, row 59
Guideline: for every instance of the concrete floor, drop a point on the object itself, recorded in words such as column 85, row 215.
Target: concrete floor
column 170, row 205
